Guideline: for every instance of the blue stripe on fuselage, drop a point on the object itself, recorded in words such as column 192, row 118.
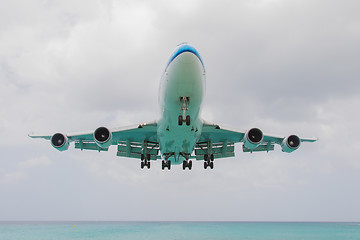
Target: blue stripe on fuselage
column 184, row 48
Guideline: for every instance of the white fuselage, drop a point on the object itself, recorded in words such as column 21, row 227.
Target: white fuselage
column 183, row 79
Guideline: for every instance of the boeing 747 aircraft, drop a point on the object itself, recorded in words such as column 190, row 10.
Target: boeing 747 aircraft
column 180, row 134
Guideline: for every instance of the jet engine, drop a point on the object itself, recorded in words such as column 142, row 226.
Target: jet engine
column 103, row 137
column 253, row 138
column 60, row 141
column 290, row 143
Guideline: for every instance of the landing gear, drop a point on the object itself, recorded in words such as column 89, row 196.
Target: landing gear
column 184, row 101
column 187, row 164
column 166, row 164
column 208, row 158
column 187, row 120
column 145, row 163
column 180, row 120
column 208, row 164
column 208, row 161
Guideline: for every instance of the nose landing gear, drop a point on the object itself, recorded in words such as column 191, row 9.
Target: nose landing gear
column 184, row 101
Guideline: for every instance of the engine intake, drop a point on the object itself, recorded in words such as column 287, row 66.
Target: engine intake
column 253, row 138
column 103, row 137
column 60, row 141
column 290, row 144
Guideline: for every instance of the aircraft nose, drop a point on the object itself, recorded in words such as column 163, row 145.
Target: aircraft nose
column 187, row 57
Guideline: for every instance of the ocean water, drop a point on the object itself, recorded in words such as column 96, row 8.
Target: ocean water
column 177, row 230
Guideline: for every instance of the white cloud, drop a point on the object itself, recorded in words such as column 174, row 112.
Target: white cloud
column 35, row 162
column 13, row 177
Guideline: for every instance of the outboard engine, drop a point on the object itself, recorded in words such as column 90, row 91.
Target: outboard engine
column 253, row 138
column 290, row 143
column 59, row 141
column 103, row 137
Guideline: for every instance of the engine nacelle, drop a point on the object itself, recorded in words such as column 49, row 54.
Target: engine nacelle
column 290, row 143
column 253, row 138
column 103, row 137
column 59, row 141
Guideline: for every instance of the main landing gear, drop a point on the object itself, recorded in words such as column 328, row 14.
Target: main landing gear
column 166, row 164
column 208, row 161
column 187, row 164
column 184, row 101
column 145, row 160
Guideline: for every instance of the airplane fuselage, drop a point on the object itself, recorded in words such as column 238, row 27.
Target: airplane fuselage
column 181, row 93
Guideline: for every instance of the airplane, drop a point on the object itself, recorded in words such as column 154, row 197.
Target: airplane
column 180, row 134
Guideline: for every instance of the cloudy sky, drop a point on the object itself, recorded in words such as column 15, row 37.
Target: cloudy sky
column 287, row 67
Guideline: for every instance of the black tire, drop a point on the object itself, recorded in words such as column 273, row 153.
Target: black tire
column 190, row 165
column 180, row 120
column 148, row 165
column 206, row 157
column 163, row 165
column 169, row 165
column 142, row 165
column 142, row 157
column 205, row 165
column 211, row 165
column 184, row 165
column 212, row 157
column 188, row 120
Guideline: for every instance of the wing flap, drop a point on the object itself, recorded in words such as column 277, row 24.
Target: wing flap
column 261, row 148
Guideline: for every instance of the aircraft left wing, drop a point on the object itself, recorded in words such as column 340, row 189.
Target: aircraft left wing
column 135, row 142
column 219, row 142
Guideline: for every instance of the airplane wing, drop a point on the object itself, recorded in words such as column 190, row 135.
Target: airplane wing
column 219, row 142
column 134, row 142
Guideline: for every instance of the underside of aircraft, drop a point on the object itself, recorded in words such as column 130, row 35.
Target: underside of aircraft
column 179, row 135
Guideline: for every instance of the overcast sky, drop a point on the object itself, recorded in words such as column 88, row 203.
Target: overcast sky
column 285, row 66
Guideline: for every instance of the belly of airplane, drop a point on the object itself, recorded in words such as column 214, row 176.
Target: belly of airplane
column 182, row 91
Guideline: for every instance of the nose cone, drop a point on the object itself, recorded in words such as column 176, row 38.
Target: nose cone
column 187, row 54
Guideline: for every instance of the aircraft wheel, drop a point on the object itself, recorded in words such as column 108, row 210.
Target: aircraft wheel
column 148, row 164
column 184, row 165
column 188, row 120
column 169, row 165
column 142, row 164
column 205, row 165
column 180, row 120
column 211, row 165
column 206, row 157
column 190, row 165
column 163, row 165
column 212, row 157
column 142, row 157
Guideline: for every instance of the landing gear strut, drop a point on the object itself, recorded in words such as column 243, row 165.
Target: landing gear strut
column 184, row 101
